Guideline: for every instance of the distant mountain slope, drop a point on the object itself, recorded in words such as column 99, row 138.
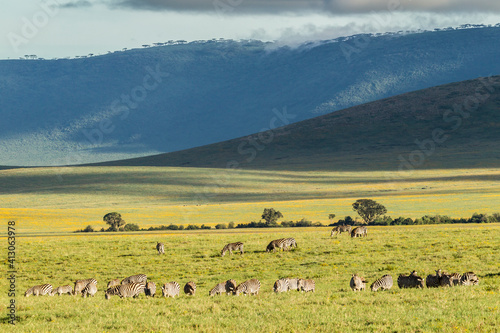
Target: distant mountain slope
column 450, row 126
column 173, row 97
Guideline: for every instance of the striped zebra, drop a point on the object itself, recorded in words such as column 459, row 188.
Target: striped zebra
column 359, row 232
column 62, row 290
column 293, row 284
column 226, row 287
column 306, row 285
column 113, row 283
column 384, row 283
column 139, row 278
column 340, row 229
column 357, row 282
column 81, row 284
column 90, row 289
column 434, row 281
column 150, row 289
column 282, row 244
column 39, row 290
column 190, row 288
column 469, row 279
column 455, row 279
column 238, row 246
column 160, row 247
column 249, row 287
column 410, row 281
column 126, row 290
column 170, row 289
column 281, row 286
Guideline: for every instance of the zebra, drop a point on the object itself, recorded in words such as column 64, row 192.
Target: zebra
column 190, row 288
column 62, row 290
column 340, row 229
column 150, row 289
column 90, row 289
column 359, row 232
column 219, row 289
column 455, row 279
column 251, row 287
column 281, row 286
column 357, row 282
column 293, row 284
column 410, row 281
column 384, row 283
column 230, row 286
column 277, row 243
column 126, row 290
column 113, row 283
column 39, row 290
column 81, row 284
column 170, row 289
column 306, row 285
column 469, row 279
column 139, row 278
column 232, row 247
column 434, row 281
column 160, row 247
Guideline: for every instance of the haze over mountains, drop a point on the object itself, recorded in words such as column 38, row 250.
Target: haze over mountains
column 174, row 97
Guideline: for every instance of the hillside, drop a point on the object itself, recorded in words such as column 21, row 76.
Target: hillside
column 178, row 96
column 439, row 127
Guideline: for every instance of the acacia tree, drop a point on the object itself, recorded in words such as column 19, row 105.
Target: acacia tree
column 114, row 220
column 331, row 217
column 368, row 209
column 271, row 216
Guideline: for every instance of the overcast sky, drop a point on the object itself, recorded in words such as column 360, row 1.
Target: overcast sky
column 62, row 28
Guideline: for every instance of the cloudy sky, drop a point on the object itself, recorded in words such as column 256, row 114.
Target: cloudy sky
column 62, row 28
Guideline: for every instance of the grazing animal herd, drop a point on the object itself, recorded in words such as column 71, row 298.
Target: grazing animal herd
column 135, row 285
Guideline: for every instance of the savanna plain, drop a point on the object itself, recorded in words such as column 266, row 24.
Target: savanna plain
column 47, row 204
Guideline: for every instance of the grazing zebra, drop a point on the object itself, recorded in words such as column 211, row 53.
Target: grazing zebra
column 357, row 283
column 90, row 289
column 139, row 278
column 469, row 279
column 359, row 232
column 384, row 283
column 306, row 285
column 410, row 281
column 340, row 229
column 455, row 279
column 170, row 289
column 219, row 289
column 150, row 289
column 232, row 247
column 126, row 290
column 281, row 286
column 160, row 247
column 81, row 284
column 434, row 281
column 190, row 288
column 282, row 243
column 113, row 283
column 40, row 290
column 249, row 287
column 62, row 290
column 293, row 284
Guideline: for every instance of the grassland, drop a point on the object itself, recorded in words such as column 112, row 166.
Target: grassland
column 329, row 261
column 66, row 199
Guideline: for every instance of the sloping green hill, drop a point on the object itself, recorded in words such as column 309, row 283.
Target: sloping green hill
column 450, row 126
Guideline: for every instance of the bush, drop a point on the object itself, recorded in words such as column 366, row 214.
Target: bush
column 382, row 220
column 131, row 227
column 221, row 226
column 87, row 229
column 230, row 225
column 207, row 227
column 192, row 227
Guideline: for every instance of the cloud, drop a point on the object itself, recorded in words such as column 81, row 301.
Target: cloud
column 76, row 4
column 298, row 6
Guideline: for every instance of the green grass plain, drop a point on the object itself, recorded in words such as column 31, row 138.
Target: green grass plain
column 47, row 200
column 195, row 256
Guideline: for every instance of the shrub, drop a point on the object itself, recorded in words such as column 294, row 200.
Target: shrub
column 230, row 225
column 131, row 227
column 221, row 226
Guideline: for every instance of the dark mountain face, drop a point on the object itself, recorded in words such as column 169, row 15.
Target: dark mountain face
column 174, row 97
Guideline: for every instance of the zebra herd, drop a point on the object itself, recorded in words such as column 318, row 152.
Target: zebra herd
column 412, row 280
column 356, row 232
column 135, row 285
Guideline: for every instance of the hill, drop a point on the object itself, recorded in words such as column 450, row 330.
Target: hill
column 182, row 95
column 449, row 126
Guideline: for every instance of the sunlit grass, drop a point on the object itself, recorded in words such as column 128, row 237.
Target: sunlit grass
column 195, row 256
